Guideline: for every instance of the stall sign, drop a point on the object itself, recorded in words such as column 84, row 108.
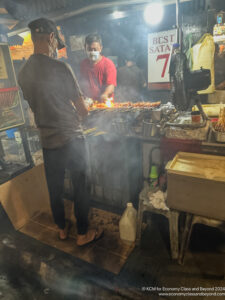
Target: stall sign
column 159, row 54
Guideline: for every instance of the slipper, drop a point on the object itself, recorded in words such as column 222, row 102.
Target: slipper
column 99, row 233
column 68, row 226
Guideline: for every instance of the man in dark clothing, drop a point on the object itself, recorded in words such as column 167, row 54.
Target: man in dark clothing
column 131, row 81
column 52, row 91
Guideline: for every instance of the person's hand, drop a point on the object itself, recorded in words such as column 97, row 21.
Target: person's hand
column 88, row 102
column 81, row 107
column 104, row 97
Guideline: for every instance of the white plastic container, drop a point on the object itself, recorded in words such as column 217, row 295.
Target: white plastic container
column 128, row 224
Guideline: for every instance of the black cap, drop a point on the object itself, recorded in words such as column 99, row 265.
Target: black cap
column 43, row 25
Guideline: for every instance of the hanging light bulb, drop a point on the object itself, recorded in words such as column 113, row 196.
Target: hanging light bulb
column 153, row 13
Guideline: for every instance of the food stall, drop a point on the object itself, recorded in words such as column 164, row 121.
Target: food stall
column 139, row 123
column 130, row 145
column 122, row 136
column 153, row 124
column 115, row 135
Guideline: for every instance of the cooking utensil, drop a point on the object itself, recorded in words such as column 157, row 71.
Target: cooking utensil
column 150, row 129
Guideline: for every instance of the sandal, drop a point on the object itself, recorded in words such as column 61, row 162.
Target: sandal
column 67, row 227
column 99, row 233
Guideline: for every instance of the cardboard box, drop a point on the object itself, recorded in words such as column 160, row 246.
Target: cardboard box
column 25, row 195
column 196, row 184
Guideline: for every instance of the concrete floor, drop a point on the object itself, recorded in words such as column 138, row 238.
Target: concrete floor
column 33, row 271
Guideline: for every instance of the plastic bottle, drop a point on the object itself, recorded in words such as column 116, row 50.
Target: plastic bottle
column 128, row 223
column 153, row 176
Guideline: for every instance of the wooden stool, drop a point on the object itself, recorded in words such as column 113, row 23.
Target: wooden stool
column 171, row 215
column 190, row 221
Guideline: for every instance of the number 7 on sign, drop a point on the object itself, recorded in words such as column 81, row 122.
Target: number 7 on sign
column 166, row 57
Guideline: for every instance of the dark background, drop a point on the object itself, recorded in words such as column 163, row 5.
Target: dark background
column 120, row 36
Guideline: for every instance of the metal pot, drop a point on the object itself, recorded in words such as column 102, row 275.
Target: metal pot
column 156, row 115
column 219, row 136
column 149, row 129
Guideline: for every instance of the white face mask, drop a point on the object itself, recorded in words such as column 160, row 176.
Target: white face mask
column 93, row 55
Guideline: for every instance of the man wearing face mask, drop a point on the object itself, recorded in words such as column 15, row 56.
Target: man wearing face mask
column 52, row 91
column 97, row 72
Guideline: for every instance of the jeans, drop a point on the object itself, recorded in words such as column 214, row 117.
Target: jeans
column 73, row 156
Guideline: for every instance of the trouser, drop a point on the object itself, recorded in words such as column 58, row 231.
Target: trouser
column 74, row 157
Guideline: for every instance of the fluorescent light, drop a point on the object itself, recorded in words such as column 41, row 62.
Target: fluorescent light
column 153, row 13
column 118, row 14
column 24, row 34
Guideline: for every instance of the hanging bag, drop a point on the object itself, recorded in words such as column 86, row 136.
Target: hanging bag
column 203, row 57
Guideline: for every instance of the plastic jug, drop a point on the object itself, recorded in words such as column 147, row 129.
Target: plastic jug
column 128, row 223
